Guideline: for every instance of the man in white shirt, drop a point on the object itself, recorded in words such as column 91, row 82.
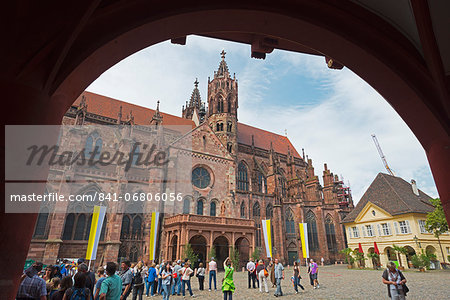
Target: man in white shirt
column 212, row 268
column 251, row 268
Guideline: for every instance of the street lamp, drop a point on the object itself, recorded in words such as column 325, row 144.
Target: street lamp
column 417, row 241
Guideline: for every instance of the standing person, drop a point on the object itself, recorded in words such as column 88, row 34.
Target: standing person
column 322, row 261
column 138, row 281
column 201, row 276
column 156, row 279
column 53, row 286
column 176, row 287
column 261, row 272
column 166, row 276
column 161, row 268
column 395, row 281
column 90, row 277
column 228, row 283
column 79, row 289
column 127, row 279
column 251, row 273
column 279, row 275
column 212, row 267
column 272, row 273
column 297, row 277
column 32, row 286
column 101, row 276
column 111, row 288
column 186, row 272
column 65, row 284
column 151, row 279
column 313, row 269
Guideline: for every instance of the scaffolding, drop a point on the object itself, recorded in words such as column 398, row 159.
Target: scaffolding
column 343, row 194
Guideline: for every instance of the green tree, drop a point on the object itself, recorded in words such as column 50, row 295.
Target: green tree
column 189, row 253
column 234, row 256
column 348, row 256
column 212, row 253
column 374, row 257
column 436, row 222
column 399, row 250
column 359, row 256
column 256, row 254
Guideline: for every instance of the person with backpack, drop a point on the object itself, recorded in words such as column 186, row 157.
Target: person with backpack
column 138, row 281
column 262, row 274
column 79, row 291
column 65, row 284
column 186, row 272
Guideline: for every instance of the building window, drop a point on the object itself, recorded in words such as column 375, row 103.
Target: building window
column 290, row 224
column 68, row 227
column 282, row 183
column 219, row 127
column 93, row 143
column 212, row 209
column 186, row 205
column 220, row 105
column 313, row 239
column 369, row 230
column 256, row 210
column 229, row 126
column 269, row 211
column 200, row 207
column 423, row 228
column 355, row 232
column 80, row 227
column 242, row 209
column 262, row 183
column 41, row 223
column 200, row 177
column 331, row 234
column 125, row 230
column 386, row 229
column 134, row 155
column 136, row 227
column 373, row 213
column 404, row 227
column 242, row 177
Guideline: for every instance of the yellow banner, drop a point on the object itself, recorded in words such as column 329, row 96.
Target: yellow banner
column 92, row 233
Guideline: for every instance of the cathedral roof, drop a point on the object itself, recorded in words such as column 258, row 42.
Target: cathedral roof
column 263, row 138
column 394, row 195
column 223, row 67
column 196, row 100
column 110, row 107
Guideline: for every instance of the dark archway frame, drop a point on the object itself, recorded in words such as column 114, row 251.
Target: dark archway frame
column 94, row 35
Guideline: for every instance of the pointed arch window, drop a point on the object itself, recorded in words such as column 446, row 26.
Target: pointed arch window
column 88, row 228
column 136, row 227
column 186, row 205
column 282, row 182
column 230, row 147
column 229, row 126
column 134, row 155
column 103, row 232
column 242, row 209
column 125, row 230
column 212, row 209
column 80, row 227
column 41, row 223
column 93, row 143
column 269, row 211
column 242, row 177
column 68, row 227
column 331, row 234
column 262, row 183
column 220, row 105
column 200, row 207
column 256, row 210
column 313, row 239
column 290, row 223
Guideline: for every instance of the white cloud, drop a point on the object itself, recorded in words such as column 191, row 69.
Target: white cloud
column 337, row 130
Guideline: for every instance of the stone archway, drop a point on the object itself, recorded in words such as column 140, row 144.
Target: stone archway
column 221, row 245
column 243, row 246
column 409, row 254
column 375, row 261
column 198, row 244
column 390, row 254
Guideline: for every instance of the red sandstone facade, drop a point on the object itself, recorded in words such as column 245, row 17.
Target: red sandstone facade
column 253, row 175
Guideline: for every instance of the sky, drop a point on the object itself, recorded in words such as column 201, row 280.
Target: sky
column 329, row 113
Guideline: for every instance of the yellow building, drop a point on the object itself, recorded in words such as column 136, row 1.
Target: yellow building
column 393, row 211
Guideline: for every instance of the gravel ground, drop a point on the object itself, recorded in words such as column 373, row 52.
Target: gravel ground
column 336, row 282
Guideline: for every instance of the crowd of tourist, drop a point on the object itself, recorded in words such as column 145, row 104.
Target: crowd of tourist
column 67, row 281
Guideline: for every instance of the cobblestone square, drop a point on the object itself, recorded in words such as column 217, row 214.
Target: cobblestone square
column 337, row 282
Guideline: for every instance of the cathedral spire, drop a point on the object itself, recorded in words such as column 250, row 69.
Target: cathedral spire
column 157, row 117
column 223, row 68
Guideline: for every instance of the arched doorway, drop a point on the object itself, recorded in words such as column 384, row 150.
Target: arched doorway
column 375, row 261
column 174, row 248
column 390, row 254
column 243, row 247
column 198, row 244
column 409, row 254
column 221, row 245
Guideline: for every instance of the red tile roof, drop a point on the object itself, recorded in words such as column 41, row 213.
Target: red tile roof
column 262, row 139
column 109, row 107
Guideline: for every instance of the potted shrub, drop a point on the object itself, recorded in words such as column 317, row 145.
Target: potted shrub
column 360, row 258
column 374, row 257
column 418, row 263
column 400, row 250
column 348, row 257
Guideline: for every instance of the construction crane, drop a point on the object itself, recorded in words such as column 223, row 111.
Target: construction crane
column 386, row 166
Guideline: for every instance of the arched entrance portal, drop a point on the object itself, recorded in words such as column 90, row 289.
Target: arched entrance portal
column 198, row 244
column 375, row 261
column 409, row 254
column 243, row 247
column 174, row 248
column 221, row 246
